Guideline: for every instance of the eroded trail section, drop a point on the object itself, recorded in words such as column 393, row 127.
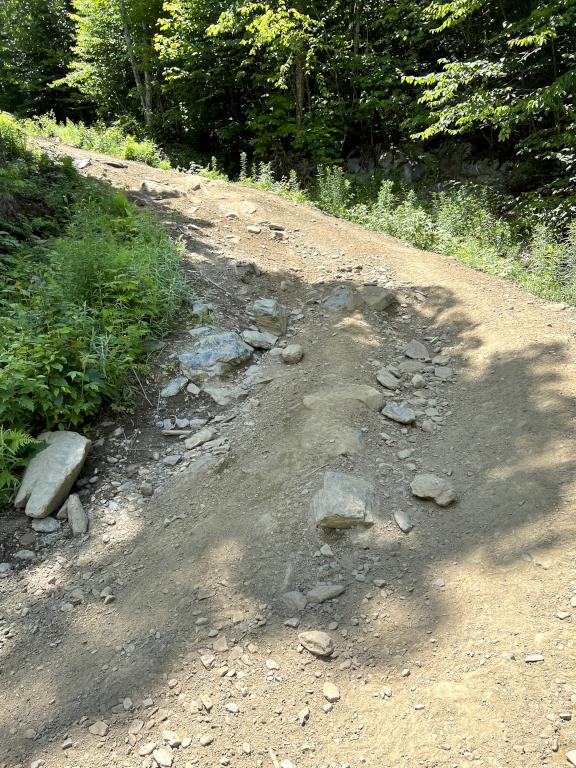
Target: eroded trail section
column 338, row 532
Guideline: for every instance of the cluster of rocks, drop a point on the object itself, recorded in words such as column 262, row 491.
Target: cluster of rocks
column 44, row 493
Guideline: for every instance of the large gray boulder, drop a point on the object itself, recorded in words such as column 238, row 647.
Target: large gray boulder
column 213, row 354
column 344, row 501
column 51, row 474
column 269, row 315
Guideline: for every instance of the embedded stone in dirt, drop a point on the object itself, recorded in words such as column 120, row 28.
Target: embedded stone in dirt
column 344, row 501
column 324, row 592
column 163, row 757
column 52, row 473
column 269, row 315
column 317, row 642
column 224, row 395
column 202, row 308
column 174, row 387
column 99, row 728
column 443, row 372
column 157, row 189
column 203, row 436
column 375, row 297
column 417, row 351
column 259, row 340
column 334, row 397
column 387, row 379
column 295, row 601
column 403, row 521
column 77, row 517
column 432, row 487
column 342, row 298
column 213, row 354
column 292, row 354
column 571, row 757
column 418, row 381
column 399, row 412
column 254, row 229
column 246, row 270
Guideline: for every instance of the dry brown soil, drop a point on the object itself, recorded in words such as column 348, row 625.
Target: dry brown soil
column 210, row 554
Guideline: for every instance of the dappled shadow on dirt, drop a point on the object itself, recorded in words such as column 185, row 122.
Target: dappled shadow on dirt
column 245, row 536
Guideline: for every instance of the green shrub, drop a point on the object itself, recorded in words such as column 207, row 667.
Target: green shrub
column 12, row 138
column 86, row 279
column 333, row 190
column 110, row 140
column 16, row 448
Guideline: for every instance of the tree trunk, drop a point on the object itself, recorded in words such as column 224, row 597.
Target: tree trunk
column 299, row 88
column 144, row 89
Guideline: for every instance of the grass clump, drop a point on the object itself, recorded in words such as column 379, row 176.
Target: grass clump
column 110, row 140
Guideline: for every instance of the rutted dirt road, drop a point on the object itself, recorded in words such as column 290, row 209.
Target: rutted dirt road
column 192, row 662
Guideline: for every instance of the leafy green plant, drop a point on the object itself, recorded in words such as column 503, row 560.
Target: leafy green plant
column 16, row 448
column 111, row 140
column 12, row 138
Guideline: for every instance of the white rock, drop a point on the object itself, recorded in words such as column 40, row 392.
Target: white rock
column 317, row 642
column 163, row 757
column 203, row 436
column 52, row 473
column 432, row 487
column 99, row 728
column 292, row 354
column 330, row 692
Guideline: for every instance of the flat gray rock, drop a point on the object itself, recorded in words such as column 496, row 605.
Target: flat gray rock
column 432, row 487
column 318, row 643
column 259, row 339
column 77, row 517
column 295, row 601
column 214, row 353
column 223, row 395
column 416, row 351
column 269, row 315
column 400, row 413
column 51, row 474
column 330, row 398
column 174, row 387
column 46, row 525
column 387, row 379
column 324, row 592
column 344, row 501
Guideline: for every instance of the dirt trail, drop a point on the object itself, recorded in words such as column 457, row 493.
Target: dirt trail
column 434, row 626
